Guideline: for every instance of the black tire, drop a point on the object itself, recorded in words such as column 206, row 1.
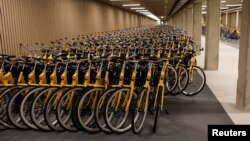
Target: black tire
column 100, row 110
column 25, row 107
column 123, row 124
column 5, row 97
column 171, row 80
column 2, row 89
column 138, row 112
column 64, row 112
column 157, row 110
column 74, row 108
column 13, row 109
column 196, row 85
column 85, row 112
column 50, row 111
column 182, row 80
column 38, row 106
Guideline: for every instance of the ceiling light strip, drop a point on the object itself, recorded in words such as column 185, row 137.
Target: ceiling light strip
column 130, row 5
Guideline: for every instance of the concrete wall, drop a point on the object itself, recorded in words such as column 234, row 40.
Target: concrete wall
column 231, row 19
column 30, row 21
column 223, row 19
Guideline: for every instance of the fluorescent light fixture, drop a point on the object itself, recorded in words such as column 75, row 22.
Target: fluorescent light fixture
column 162, row 17
column 204, row 12
column 127, row 5
column 146, row 13
column 233, row 5
column 141, row 10
column 137, row 8
column 223, row 1
column 204, row 6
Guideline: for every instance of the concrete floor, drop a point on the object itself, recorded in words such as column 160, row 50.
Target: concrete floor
column 223, row 82
column 187, row 119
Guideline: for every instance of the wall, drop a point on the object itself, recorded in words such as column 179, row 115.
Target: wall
column 30, row 21
column 232, row 20
column 223, row 19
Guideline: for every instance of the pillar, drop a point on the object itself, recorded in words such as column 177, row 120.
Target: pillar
column 197, row 23
column 212, row 35
column 237, row 20
column 189, row 20
column 226, row 22
column 243, row 83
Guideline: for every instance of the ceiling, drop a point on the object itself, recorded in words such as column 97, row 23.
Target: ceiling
column 162, row 9
column 226, row 5
column 159, row 8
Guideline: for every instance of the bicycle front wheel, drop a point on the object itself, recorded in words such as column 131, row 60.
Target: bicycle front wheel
column 139, row 113
column 171, row 79
column 197, row 81
column 116, row 116
column 157, row 110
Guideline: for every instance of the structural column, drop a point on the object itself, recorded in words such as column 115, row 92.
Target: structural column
column 197, row 23
column 189, row 20
column 212, row 35
column 243, row 83
column 226, row 22
column 237, row 20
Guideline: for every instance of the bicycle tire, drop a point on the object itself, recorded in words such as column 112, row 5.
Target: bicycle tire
column 66, row 124
column 172, row 79
column 203, row 76
column 89, row 124
column 13, row 108
column 99, row 112
column 138, row 111
column 50, row 112
column 25, row 107
column 120, row 128
column 74, row 109
column 5, row 97
column 157, row 110
column 37, row 108
column 182, row 80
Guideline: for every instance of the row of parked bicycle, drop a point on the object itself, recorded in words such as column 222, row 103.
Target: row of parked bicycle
column 102, row 82
column 229, row 34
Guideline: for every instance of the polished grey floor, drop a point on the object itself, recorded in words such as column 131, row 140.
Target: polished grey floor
column 187, row 120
